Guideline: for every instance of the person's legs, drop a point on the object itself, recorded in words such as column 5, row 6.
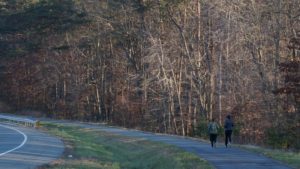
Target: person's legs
column 215, row 140
column 211, row 138
column 226, row 137
column 229, row 135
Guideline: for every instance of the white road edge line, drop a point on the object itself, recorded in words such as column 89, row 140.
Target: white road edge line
column 21, row 145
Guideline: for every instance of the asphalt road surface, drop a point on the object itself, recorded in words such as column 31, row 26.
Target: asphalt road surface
column 221, row 157
column 26, row 148
column 23, row 148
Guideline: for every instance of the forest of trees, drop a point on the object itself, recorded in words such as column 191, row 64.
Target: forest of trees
column 158, row 65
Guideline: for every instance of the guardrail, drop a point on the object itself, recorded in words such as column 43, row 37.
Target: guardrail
column 19, row 120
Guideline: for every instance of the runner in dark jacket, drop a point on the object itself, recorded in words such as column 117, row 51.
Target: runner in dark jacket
column 228, row 126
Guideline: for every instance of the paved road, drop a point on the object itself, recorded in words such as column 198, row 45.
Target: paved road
column 220, row 157
column 26, row 148
column 39, row 148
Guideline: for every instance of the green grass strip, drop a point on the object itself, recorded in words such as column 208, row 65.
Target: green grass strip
column 287, row 157
column 95, row 149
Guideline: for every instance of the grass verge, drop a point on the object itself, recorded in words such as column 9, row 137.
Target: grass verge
column 93, row 149
column 290, row 158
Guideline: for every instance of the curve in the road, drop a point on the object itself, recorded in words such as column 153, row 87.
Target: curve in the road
column 38, row 148
column 17, row 147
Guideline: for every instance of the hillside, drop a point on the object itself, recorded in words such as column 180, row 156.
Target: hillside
column 165, row 66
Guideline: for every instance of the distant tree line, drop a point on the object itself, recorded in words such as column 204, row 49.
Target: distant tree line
column 160, row 65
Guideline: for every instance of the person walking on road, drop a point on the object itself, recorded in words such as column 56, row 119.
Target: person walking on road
column 228, row 126
column 213, row 132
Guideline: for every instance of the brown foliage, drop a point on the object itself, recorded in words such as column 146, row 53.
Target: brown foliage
column 166, row 66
